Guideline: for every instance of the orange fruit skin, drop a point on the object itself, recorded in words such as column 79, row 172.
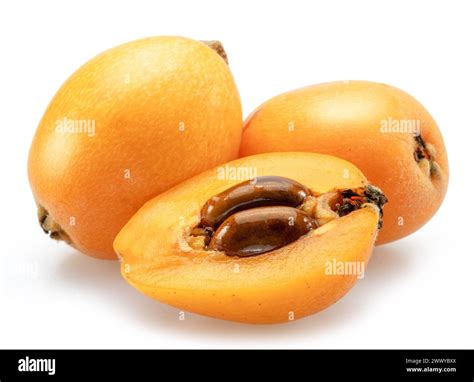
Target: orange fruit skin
column 344, row 119
column 288, row 283
column 164, row 109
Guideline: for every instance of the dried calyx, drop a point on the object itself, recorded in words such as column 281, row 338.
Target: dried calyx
column 269, row 212
column 425, row 156
column 50, row 227
column 353, row 199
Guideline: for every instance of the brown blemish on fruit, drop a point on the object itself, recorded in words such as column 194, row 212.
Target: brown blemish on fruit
column 50, row 227
column 425, row 155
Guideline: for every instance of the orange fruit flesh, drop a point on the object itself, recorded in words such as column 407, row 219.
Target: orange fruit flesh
column 290, row 282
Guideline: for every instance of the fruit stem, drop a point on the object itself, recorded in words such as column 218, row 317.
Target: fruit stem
column 218, row 48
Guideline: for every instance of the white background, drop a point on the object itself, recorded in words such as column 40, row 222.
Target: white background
column 418, row 292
